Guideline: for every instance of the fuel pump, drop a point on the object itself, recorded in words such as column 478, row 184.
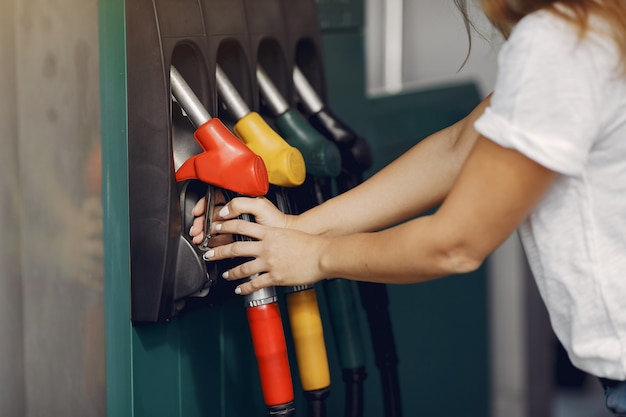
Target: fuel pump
column 356, row 158
column 286, row 168
column 322, row 159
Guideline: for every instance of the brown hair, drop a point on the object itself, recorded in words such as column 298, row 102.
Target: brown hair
column 504, row 14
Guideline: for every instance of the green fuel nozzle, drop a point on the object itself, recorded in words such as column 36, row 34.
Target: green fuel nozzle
column 286, row 166
column 321, row 156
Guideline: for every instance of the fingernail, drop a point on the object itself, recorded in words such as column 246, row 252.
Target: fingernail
column 218, row 227
column 208, row 254
column 225, row 275
column 224, row 211
column 237, row 290
column 192, row 230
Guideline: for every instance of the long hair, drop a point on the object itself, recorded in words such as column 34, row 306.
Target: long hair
column 504, row 14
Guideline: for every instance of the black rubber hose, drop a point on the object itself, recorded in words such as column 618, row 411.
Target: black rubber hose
column 316, row 402
column 353, row 382
column 376, row 304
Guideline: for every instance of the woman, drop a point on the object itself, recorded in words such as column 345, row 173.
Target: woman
column 544, row 154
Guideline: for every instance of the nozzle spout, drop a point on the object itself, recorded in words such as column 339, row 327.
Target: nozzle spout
column 187, row 99
column 235, row 104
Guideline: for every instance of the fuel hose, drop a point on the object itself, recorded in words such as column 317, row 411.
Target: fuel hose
column 356, row 158
column 321, row 158
column 286, row 168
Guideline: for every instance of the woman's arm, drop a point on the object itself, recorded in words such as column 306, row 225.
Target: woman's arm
column 496, row 189
column 415, row 182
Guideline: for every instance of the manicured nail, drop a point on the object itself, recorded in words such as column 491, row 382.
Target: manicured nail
column 208, row 255
column 237, row 290
column 224, row 211
column 218, row 227
column 225, row 275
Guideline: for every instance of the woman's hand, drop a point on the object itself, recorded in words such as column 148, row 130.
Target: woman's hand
column 281, row 256
column 262, row 209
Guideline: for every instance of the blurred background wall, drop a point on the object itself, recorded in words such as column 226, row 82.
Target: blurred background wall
column 51, row 302
column 11, row 347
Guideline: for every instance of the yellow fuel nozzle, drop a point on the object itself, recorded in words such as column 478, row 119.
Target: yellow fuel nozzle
column 285, row 164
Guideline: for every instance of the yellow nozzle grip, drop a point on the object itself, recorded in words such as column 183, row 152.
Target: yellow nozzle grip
column 308, row 339
column 285, row 164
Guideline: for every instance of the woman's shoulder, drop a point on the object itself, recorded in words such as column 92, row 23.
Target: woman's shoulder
column 544, row 26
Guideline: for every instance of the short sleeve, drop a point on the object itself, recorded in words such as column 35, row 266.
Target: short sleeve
column 545, row 102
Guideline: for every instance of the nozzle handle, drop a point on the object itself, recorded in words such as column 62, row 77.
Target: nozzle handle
column 308, row 339
column 270, row 349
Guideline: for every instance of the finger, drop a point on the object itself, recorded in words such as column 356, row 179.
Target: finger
column 197, row 230
column 255, row 284
column 241, row 205
column 245, row 249
column 199, row 208
column 198, row 239
column 239, row 227
column 246, row 270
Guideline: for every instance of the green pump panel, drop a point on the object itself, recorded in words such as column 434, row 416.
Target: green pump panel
column 178, row 341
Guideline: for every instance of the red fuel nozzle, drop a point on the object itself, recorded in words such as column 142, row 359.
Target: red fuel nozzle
column 225, row 162
column 270, row 349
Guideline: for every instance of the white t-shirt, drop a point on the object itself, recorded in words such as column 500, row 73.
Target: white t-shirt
column 561, row 101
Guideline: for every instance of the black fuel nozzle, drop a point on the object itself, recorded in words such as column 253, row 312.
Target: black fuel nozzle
column 356, row 155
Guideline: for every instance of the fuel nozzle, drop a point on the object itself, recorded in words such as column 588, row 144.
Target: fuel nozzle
column 308, row 338
column 321, row 156
column 286, row 166
column 356, row 154
column 270, row 349
column 225, row 162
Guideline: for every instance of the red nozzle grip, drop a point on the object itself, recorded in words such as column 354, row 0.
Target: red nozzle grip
column 225, row 162
column 270, row 350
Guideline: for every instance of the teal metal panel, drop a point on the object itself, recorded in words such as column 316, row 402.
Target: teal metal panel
column 340, row 14
column 115, row 207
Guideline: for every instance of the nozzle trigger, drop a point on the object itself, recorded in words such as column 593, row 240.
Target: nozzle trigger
column 210, row 208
